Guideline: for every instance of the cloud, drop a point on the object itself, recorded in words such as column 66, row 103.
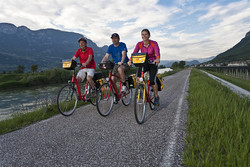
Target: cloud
column 183, row 30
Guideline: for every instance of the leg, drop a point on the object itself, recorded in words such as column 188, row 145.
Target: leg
column 121, row 73
column 152, row 77
column 91, row 82
column 90, row 75
column 80, row 77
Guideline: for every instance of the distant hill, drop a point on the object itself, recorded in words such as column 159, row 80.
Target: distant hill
column 168, row 63
column 240, row 52
column 45, row 47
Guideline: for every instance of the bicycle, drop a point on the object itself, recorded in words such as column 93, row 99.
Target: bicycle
column 108, row 94
column 70, row 94
column 144, row 92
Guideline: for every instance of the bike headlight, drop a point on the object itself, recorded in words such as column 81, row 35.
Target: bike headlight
column 141, row 79
column 107, row 79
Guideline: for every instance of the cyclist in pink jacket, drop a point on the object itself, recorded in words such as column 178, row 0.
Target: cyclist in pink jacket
column 151, row 47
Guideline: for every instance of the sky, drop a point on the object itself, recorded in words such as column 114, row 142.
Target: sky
column 184, row 29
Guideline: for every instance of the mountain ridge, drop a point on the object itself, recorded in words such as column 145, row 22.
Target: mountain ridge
column 44, row 47
column 239, row 52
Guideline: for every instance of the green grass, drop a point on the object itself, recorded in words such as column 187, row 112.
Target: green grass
column 218, row 132
column 21, row 119
column 245, row 84
column 167, row 73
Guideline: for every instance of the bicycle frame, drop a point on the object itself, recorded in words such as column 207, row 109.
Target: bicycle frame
column 146, row 89
column 112, row 84
column 74, row 80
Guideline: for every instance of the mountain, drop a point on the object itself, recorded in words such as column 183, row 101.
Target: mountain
column 168, row 63
column 45, row 47
column 240, row 52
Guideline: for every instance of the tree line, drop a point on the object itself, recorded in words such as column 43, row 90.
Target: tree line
column 21, row 69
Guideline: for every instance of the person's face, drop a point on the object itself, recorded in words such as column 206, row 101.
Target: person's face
column 145, row 36
column 82, row 44
column 115, row 40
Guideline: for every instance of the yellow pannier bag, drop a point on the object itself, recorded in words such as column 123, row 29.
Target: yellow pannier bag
column 99, row 82
column 132, row 81
column 159, row 82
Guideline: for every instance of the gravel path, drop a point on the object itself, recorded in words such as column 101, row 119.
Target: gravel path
column 87, row 139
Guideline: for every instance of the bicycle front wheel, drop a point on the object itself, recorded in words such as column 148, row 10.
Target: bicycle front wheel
column 67, row 100
column 127, row 96
column 105, row 100
column 140, row 103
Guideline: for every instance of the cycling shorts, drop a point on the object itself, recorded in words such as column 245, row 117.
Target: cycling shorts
column 82, row 73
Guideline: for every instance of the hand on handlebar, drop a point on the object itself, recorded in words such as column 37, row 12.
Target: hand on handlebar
column 156, row 62
column 129, row 63
column 84, row 64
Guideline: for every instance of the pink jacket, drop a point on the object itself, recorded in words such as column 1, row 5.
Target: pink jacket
column 153, row 49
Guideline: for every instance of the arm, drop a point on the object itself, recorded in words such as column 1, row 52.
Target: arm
column 105, row 58
column 124, row 54
column 87, row 62
column 157, row 53
column 73, row 58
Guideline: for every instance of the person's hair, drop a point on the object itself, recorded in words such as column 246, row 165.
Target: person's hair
column 146, row 31
column 82, row 39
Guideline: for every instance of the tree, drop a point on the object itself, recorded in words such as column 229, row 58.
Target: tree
column 34, row 68
column 182, row 64
column 20, row 69
column 175, row 65
column 162, row 66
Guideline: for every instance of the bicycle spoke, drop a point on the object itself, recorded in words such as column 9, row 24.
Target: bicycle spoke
column 67, row 100
column 105, row 100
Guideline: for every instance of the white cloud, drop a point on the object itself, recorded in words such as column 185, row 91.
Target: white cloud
column 98, row 19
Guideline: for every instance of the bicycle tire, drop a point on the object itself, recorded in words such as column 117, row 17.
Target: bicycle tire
column 140, row 103
column 105, row 99
column 126, row 98
column 92, row 100
column 67, row 100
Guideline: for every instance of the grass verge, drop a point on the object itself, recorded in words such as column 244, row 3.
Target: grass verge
column 244, row 84
column 218, row 125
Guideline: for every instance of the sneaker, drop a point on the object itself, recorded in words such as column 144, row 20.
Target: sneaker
column 124, row 89
column 157, row 101
column 116, row 99
column 93, row 92
column 87, row 97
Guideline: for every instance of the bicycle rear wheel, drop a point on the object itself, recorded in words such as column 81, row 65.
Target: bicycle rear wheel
column 140, row 103
column 105, row 100
column 67, row 100
column 126, row 97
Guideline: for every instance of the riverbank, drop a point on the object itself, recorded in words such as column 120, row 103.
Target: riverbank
column 22, row 80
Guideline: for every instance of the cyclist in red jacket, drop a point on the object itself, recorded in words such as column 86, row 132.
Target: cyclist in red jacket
column 86, row 56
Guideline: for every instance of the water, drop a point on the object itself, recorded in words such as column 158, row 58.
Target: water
column 26, row 99
column 162, row 70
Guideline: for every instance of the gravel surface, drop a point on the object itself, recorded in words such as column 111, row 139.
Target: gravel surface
column 88, row 139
